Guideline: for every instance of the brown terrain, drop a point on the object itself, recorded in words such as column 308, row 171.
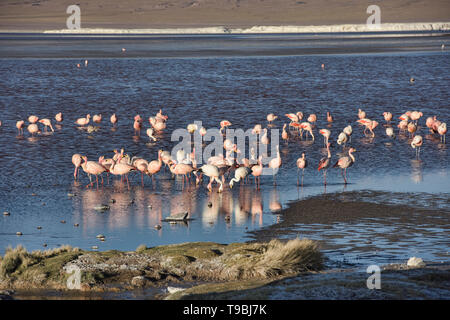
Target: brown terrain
column 38, row 15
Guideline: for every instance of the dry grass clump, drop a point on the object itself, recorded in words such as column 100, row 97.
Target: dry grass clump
column 277, row 258
column 141, row 248
column 19, row 258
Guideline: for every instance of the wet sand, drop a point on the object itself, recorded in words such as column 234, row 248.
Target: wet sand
column 40, row 15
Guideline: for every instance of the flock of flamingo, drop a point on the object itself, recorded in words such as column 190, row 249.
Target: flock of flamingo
column 217, row 167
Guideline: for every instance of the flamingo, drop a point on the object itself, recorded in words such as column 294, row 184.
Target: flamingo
column 326, row 135
column 405, row 116
column 137, row 125
column 429, row 123
column 119, row 168
column 92, row 167
column 412, row 128
column 271, row 117
column 150, row 134
column 264, row 139
column 346, row 162
column 416, row 115
column 387, row 116
column 348, row 131
column 239, row 173
column 161, row 116
column 33, row 119
column 83, row 121
column 256, row 172
column 342, row 139
column 97, row 118
column 402, row 125
column 192, row 127
column 312, row 119
column 181, row 169
column 142, row 166
column 308, row 128
column 114, row 119
column 275, row 163
column 47, row 123
column 166, row 158
column 293, row 117
column 284, row 134
column 76, row 160
column 224, row 124
column 257, row 129
column 299, row 115
column 361, row 114
column 390, row 132
column 20, row 125
column 416, row 143
column 154, row 166
column 212, row 172
column 202, row 131
column 158, row 125
column 369, row 124
column 329, row 117
column 324, row 164
column 301, row 164
column 59, row 117
column 33, row 128
column 442, row 130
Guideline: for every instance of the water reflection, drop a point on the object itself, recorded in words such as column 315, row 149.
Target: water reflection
column 416, row 171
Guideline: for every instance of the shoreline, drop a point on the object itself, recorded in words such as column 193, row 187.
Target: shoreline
column 257, row 29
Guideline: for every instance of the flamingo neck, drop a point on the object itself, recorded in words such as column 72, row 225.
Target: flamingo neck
column 350, row 153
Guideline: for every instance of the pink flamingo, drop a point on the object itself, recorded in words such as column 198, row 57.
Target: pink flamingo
column 361, row 114
column 271, row 117
column 329, row 117
column 161, row 116
column 308, row 128
column 33, row 128
column 403, row 125
column 114, row 119
column 142, row 166
column 302, row 163
column 158, row 125
column 76, row 160
column 416, row 115
column 59, row 117
column 181, row 169
column 284, row 134
column 312, row 119
column 83, row 121
column 412, row 128
column 137, row 125
column 20, row 125
column 47, row 123
column 264, row 139
column 33, row 119
column 326, row 135
column 257, row 171
column 387, row 116
column 346, row 162
column 442, row 130
column 97, row 118
column 292, row 116
column 275, row 164
column 212, row 172
column 154, row 166
column 224, row 124
column 150, row 134
column 416, row 143
column 92, row 167
column 119, row 168
column 257, row 129
column 324, row 164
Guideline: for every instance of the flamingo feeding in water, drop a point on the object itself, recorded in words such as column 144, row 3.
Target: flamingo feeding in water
column 416, row 143
column 212, row 172
column 20, row 125
column 76, row 160
column 92, row 167
column 47, row 123
column 256, row 172
column 239, row 174
column 326, row 135
column 33, row 128
column 83, row 121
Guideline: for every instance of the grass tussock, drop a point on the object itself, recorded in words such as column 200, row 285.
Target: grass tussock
column 18, row 259
column 141, row 248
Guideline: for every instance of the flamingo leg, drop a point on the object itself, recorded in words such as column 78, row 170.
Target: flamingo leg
column 303, row 173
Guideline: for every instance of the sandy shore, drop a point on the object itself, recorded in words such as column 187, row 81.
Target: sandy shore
column 40, row 15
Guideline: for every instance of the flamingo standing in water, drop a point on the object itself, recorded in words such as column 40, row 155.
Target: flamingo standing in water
column 212, row 172
column 20, row 125
column 264, row 139
column 415, row 116
column 97, row 118
column 312, row 119
column 137, row 125
column 239, row 174
column 324, row 164
column 154, row 166
column 308, row 128
column 326, row 135
column 271, row 117
column 59, row 117
column 33, row 128
column 416, row 143
column 92, row 167
column 224, row 124
column 83, row 121
column 150, row 134
column 390, row 132
column 284, row 134
column 387, row 116
column 76, row 160
column 301, row 164
column 342, row 139
column 47, row 123
column 346, row 162
column 33, row 119
column 361, row 114
column 442, row 130
column 142, row 166
column 329, row 117
column 402, row 125
column 256, row 172
column 412, row 128
column 348, row 131
column 119, row 168
column 275, row 164
column 113, row 119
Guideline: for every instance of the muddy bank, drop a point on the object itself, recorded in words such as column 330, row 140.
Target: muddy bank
column 396, row 282
column 116, row 271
